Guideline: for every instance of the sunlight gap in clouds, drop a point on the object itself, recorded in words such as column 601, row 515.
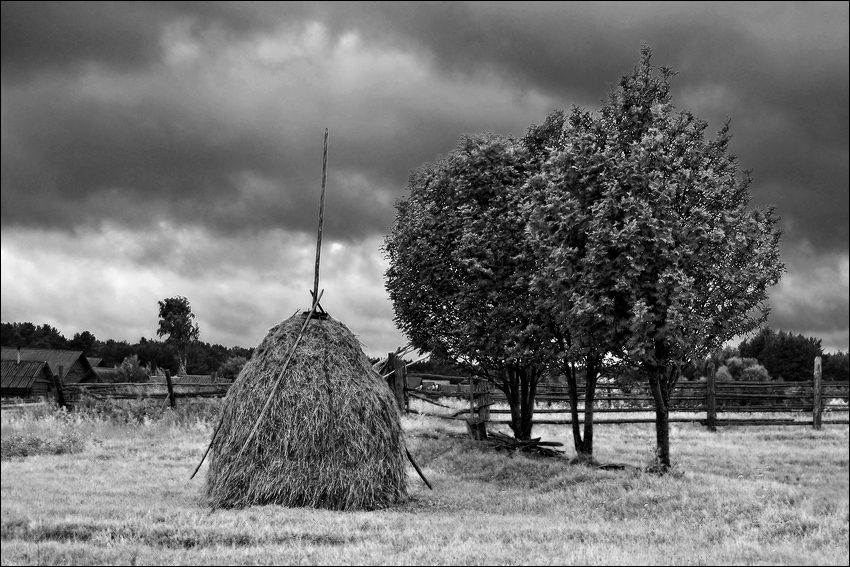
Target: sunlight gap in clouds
column 179, row 47
column 238, row 289
column 283, row 47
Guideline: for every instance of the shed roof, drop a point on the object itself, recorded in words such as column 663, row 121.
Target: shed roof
column 54, row 357
column 95, row 362
column 22, row 375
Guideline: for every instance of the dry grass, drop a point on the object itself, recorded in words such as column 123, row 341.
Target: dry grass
column 755, row 495
column 331, row 437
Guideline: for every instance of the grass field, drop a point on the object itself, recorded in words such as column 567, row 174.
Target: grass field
column 743, row 495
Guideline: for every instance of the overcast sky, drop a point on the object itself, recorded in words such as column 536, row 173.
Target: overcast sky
column 158, row 149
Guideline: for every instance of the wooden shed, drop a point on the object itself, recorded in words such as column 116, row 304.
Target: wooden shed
column 26, row 379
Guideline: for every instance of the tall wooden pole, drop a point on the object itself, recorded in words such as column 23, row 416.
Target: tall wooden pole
column 321, row 215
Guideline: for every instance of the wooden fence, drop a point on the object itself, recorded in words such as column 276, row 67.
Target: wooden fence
column 74, row 393
column 710, row 398
column 477, row 391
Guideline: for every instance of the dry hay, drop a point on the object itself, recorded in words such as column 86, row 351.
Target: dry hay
column 331, row 437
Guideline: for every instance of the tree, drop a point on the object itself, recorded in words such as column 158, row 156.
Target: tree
column 133, row 371
column 755, row 373
column 176, row 321
column 231, row 367
column 740, row 367
column 17, row 334
column 114, row 352
column 156, row 354
column 30, row 336
column 836, row 366
column 85, row 342
column 677, row 261
column 460, row 265
column 786, row 356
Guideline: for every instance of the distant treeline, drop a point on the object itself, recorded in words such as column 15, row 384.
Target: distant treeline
column 770, row 355
column 202, row 358
column 783, row 356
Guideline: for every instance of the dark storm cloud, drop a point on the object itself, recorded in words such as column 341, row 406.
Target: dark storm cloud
column 73, row 160
column 79, row 160
column 788, row 98
column 157, row 144
column 40, row 37
column 787, row 87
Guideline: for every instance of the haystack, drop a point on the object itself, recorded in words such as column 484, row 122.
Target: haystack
column 331, row 437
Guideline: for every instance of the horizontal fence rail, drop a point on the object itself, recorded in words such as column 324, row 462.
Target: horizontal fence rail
column 74, row 393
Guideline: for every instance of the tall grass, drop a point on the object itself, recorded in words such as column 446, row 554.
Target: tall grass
column 47, row 429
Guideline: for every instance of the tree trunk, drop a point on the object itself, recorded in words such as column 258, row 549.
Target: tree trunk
column 520, row 385
column 662, row 414
column 591, row 376
column 528, row 379
column 576, row 426
column 507, row 385
column 583, row 444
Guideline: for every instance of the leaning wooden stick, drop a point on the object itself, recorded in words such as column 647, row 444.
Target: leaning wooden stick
column 215, row 434
column 400, row 352
column 415, row 466
column 421, row 358
column 274, row 388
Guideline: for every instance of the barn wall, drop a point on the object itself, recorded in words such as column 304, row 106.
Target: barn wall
column 74, row 374
column 13, row 393
column 42, row 388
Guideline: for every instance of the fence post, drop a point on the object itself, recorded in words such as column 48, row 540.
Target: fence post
column 484, row 400
column 60, row 391
column 396, row 380
column 471, row 398
column 711, row 397
column 171, row 399
column 475, row 425
column 817, row 406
